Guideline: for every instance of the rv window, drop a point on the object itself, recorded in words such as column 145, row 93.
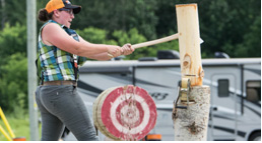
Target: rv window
column 223, row 87
column 253, row 90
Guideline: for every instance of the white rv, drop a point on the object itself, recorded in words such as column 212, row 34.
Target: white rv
column 235, row 111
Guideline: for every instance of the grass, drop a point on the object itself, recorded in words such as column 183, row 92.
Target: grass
column 19, row 125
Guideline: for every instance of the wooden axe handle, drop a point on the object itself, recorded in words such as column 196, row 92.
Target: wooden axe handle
column 154, row 42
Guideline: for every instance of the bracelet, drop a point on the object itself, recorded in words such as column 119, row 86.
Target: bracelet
column 110, row 55
column 122, row 53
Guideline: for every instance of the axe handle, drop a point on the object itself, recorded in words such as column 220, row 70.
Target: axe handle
column 158, row 41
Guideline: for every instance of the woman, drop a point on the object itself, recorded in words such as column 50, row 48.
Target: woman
column 61, row 51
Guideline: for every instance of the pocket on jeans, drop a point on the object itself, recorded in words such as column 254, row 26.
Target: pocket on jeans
column 67, row 89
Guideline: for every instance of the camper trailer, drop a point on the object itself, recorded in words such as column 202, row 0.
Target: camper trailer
column 235, row 84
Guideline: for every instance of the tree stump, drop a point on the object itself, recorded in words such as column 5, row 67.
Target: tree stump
column 191, row 124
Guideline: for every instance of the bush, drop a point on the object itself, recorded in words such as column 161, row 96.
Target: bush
column 13, row 84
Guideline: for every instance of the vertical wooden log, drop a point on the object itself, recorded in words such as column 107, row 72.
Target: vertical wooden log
column 189, row 42
column 190, row 124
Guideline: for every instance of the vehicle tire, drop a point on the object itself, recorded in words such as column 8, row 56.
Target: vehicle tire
column 255, row 136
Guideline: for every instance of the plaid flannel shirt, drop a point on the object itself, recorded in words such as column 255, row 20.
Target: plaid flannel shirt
column 57, row 64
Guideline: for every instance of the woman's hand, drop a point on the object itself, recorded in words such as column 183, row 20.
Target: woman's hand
column 127, row 49
column 114, row 51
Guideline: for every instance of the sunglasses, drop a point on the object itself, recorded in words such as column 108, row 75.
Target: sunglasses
column 70, row 11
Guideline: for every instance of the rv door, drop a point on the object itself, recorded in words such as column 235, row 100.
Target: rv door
column 223, row 107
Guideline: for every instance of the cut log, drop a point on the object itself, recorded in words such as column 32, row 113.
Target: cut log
column 189, row 43
column 191, row 124
column 124, row 113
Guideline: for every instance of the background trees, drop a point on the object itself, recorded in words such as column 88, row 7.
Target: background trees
column 13, row 68
column 229, row 26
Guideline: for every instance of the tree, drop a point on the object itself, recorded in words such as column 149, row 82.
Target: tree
column 95, row 35
column 118, row 15
column 12, row 40
column 246, row 37
column 13, row 11
column 131, row 37
column 3, row 16
column 224, row 25
column 13, row 84
column 13, row 68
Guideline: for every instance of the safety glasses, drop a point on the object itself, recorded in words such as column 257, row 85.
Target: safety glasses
column 70, row 11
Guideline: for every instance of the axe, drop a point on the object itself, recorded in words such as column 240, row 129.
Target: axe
column 158, row 41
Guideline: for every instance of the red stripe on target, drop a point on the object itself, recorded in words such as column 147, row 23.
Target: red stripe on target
column 128, row 113
column 130, row 118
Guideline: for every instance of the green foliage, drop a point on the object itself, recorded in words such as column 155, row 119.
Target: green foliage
column 249, row 45
column 134, row 37
column 95, row 35
column 118, row 15
column 12, row 11
column 19, row 125
column 131, row 37
column 13, row 69
column 13, row 84
column 12, row 40
column 227, row 26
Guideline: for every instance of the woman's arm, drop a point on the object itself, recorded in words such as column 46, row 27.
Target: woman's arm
column 126, row 50
column 101, row 56
column 53, row 34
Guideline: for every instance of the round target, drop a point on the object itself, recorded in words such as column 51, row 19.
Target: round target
column 125, row 113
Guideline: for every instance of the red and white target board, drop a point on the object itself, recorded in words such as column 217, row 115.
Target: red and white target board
column 125, row 113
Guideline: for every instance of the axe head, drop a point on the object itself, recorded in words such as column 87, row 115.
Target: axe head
column 201, row 41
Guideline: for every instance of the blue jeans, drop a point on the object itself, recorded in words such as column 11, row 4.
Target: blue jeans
column 61, row 106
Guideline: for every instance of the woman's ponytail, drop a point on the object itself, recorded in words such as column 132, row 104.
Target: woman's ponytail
column 44, row 16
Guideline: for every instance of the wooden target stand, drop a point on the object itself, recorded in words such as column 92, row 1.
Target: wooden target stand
column 124, row 113
column 116, row 116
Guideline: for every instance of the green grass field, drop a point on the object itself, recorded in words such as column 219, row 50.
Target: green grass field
column 20, row 127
